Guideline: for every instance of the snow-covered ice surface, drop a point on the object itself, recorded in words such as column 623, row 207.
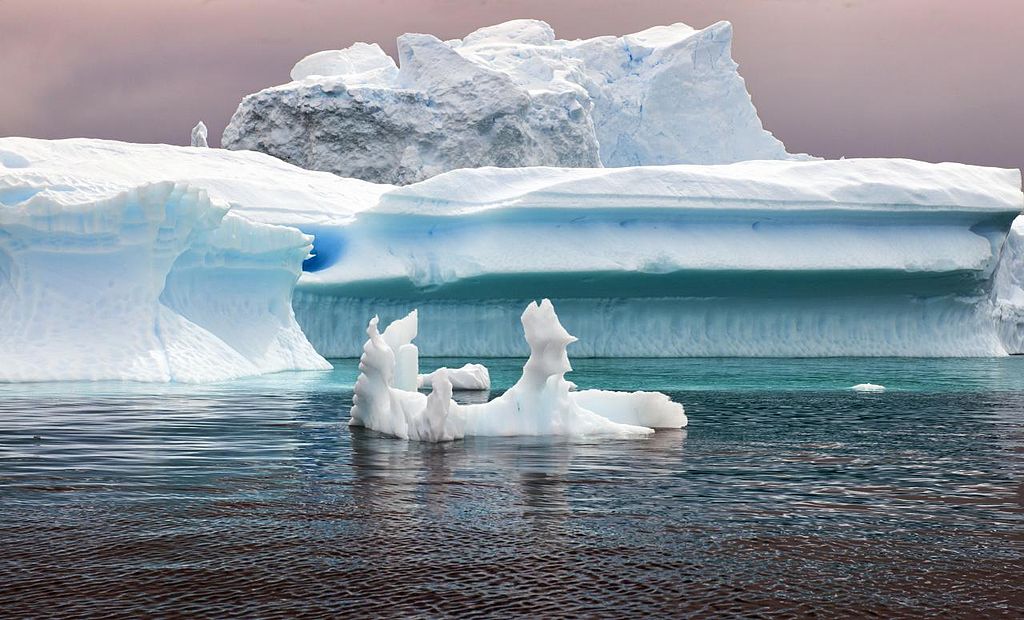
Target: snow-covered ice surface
column 540, row 403
column 103, row 277
column 765, row 258
column 262, row 188
column 509, row 95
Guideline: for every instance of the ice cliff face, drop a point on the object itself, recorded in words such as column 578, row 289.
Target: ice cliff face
column 767, row 258
column 510, row 95
column 104, row 278
column 850, row 257
column 1008, row 289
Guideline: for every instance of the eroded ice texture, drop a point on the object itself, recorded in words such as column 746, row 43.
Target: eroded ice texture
column 540, row 403
column 509, row 95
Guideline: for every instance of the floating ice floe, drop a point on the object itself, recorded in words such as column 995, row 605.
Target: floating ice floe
column 868, row 387
column 540, row 403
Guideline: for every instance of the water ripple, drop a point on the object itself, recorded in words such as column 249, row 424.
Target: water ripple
column 256, row 500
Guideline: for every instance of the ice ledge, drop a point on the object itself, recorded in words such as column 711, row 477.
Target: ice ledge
column 144, row 285
column 847, row 184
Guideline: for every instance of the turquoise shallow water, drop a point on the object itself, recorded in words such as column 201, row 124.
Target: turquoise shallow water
column 788, row 494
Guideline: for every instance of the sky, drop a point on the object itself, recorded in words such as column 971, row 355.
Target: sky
column 938, row 80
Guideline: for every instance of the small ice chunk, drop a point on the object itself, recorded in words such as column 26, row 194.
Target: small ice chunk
column 199, row 134
column 651, row 409
column 868, row 387
column 540, row 403
column 468, row 377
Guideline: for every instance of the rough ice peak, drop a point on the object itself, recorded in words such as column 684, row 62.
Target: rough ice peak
column 199, row 134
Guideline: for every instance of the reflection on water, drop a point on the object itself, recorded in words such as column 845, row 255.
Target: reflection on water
column 786, row 495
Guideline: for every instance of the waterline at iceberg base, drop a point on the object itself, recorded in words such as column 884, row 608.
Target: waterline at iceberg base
column 947, row 326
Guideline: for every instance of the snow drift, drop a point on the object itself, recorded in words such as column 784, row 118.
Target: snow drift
column 509, row 95
column 540, row 403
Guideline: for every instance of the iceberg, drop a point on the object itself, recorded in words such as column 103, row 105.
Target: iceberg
column 869, row 257
column 540, row 403
column 509, row 95
column 103, row 279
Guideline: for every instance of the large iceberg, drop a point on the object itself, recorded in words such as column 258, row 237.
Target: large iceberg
column 807, row 258
column 763, row 258
column 510, row 95
column 540, row 403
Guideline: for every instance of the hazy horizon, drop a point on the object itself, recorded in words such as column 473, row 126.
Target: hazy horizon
column 927, row 79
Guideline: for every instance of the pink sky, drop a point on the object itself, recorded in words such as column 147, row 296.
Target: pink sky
column 938, row 80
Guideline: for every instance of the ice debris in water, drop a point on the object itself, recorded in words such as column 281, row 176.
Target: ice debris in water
column 868, row 387
column 540, row 403
column 468, row 377
column 199, row 134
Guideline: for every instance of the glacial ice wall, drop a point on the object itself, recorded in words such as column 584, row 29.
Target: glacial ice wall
column 1008, row 289
column 850, row 257
column 154, row 281
column 509, row 95
column 808, row 258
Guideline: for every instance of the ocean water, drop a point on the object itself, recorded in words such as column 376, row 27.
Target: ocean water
column 787, row 495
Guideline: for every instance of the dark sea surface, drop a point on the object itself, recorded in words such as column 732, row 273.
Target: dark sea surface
column 788, row 495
